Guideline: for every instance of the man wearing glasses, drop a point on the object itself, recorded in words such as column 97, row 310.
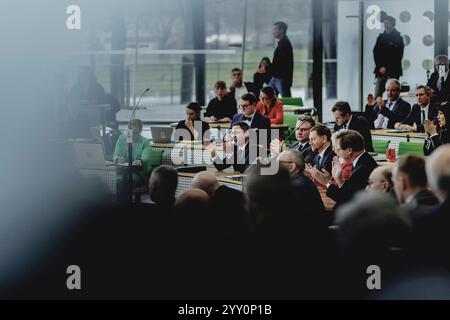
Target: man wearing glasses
column 302, row 130
column 253, row 119
column 249, row 115
column 423, row 110
column 239, row 87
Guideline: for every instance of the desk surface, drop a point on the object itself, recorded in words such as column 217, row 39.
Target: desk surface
column 220, row 175
column 384, row 132
column 226, row 125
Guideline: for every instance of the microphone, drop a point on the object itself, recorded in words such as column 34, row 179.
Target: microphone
column 130, row 149
column 136, row 106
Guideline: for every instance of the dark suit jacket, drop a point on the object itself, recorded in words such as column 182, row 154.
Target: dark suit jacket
column 431, row 238
column 398, row 114
column 182, row 125
column 361, row 125
column 415, row 116
column 308, row 154
column 228, row 208
column 283, row 61
column 388, row 53
column 357, row 181
column 327, row 161
column 420, row 204
column 310, row 198
column 444, row 94
column 259, row 121
column 251, row 87
column 233, row 161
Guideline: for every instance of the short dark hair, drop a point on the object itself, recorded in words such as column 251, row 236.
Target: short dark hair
column 220, row 85
column 310, row 120
column 269, row 91
column 343, row 107
column 137, row 123
column 282, row 25
column 426, row 88
column 236, row 69
column 195, row 106
column 322, row 130
column 167, row 181
column 350, row 139
column 414, row 167
column 250, row 97
column 243, row 125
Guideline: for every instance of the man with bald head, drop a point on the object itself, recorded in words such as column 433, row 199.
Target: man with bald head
column 381, row 180
column 431, row 229
column 227, row 204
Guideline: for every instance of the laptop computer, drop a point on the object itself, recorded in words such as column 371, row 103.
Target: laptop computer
column 161, row 134
column 91, row 155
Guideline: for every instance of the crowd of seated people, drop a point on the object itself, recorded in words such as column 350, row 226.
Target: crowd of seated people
column 277, row 227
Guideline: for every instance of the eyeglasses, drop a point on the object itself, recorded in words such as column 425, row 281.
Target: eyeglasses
column 370, row 182
column 245, row 105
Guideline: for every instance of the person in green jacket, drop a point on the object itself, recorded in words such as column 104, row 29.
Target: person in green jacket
column 140, row 155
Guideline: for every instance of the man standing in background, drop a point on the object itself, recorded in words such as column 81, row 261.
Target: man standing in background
column 283, row 61
column 388, row 55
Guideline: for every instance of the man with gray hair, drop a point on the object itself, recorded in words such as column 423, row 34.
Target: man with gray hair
column 386, row 113
column 439, row 82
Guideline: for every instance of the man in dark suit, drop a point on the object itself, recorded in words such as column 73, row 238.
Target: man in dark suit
column 346, row 120
column 302, row 130
column 239, row 87
column 411, row 185
column 424, row 109
column 239, row 153
column 349, row 147
column 227, row 205
column 439, row 81
column 304, row 188
column 283, row 61
column 256, row 121
column 388, row 55
column 249, row 115
column 320, row 140
column 386, row 113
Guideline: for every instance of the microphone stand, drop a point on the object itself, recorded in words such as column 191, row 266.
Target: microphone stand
column 130, row 150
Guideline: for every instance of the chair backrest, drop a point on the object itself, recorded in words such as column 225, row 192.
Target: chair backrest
column 410, row 148
column 290, row 119
column 294, row 101
column 380, row 146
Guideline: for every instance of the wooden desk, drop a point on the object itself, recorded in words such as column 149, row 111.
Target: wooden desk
column 289, row 108
column 214, row 125
column 405, row 135
column 226, row 125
